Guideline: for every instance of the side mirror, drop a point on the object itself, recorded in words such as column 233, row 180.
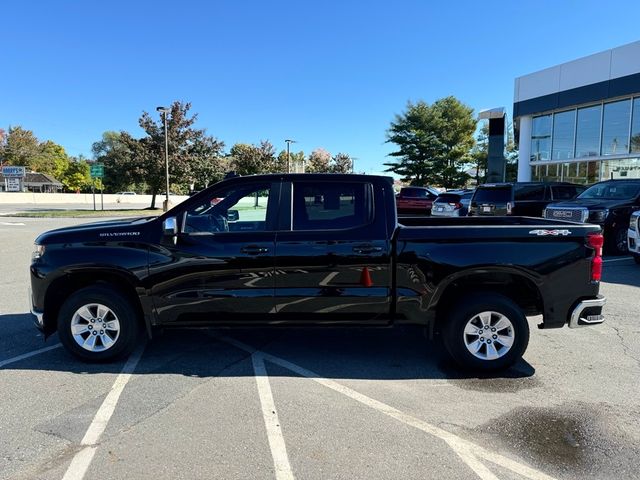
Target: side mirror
column 233, row 215
column 170, row 227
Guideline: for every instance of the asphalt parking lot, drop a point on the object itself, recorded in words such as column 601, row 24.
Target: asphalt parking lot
column 316, row 404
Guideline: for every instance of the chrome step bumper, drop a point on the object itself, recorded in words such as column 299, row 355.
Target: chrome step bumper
column 588, row 312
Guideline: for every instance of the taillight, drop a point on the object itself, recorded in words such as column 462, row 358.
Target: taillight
column 508, row 208
column 596, row 241
column 455, row 205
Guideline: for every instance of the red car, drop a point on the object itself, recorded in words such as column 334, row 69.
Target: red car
column 417, row 200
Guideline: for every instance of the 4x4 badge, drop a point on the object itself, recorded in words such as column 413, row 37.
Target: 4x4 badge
column 554, row 233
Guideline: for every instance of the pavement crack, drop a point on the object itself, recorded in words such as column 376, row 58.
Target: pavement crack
column 625, row 348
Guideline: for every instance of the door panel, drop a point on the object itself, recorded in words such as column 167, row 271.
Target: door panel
column 328, row 274
column 220, row 269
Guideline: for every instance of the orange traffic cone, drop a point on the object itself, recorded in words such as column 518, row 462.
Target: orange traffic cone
column 365, row 278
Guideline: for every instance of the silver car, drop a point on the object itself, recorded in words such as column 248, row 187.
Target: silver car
column 454, row 203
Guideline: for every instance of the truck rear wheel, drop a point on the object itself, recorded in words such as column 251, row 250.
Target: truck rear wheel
column 486, row 332
column 98, row 324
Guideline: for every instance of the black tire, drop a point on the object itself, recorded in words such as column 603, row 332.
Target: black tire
column 454, row 324
column 617, row 241
column 121, row 310
column 636, row 257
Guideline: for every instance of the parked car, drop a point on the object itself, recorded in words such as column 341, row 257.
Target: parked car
column 454, row 203
column 325, row 250
column 526, row 199
column 633, row 236
column 126, row 193
column 608, row 204
column 416, row 200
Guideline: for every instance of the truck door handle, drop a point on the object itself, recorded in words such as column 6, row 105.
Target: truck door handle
column 366, row 248
column 254, row 250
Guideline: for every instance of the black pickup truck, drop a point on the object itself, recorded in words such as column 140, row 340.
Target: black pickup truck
column 305, row 249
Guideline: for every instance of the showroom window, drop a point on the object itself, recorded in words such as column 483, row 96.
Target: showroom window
column 588, row 131
column 635, row 126
column 541, row 138
column 615, row 131
column 563, row 130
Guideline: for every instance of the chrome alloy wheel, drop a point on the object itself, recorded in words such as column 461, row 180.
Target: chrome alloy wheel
column 488, row 335
column 95, row 327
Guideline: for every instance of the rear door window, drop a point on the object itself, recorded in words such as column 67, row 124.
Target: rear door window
column 529, row 192
column 414, row 193
column 331, row 206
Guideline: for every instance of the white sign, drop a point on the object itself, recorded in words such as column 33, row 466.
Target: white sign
column 13, row 184
column 13, row 172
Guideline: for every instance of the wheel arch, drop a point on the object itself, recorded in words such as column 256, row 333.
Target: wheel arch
column 522, row 289
column 65, row 285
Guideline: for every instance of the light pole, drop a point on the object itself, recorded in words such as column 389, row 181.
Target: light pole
column 288, row 141
column 353, row 163
column 163, row 111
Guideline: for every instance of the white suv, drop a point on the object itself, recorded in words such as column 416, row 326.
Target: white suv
column 634, row 236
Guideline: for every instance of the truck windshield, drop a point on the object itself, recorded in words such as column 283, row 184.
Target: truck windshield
column 612, row 191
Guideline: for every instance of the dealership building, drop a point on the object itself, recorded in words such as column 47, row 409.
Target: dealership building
column 580, row 121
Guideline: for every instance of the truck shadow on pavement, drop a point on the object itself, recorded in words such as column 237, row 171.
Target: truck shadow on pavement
column 340, row 353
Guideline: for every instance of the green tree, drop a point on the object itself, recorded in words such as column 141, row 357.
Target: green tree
column 480, row 154
column 433, row 142
column 319, row 161
column 341, row 163
column 120, row 173
column 52, row 160
column 207, row 163
column 246, row 159
column 77, row 178
column 147, row 159
column 21, row 147
column 296, row 162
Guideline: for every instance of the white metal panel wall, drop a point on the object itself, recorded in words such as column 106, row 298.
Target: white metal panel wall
column 600, row 67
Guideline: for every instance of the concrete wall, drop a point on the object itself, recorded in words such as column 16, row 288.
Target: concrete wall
column 30, row 198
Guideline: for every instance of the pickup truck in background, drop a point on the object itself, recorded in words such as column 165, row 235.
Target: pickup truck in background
column 608, row 204
column 314, row 250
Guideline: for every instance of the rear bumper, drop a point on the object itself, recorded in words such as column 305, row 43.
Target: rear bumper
column 587, row 312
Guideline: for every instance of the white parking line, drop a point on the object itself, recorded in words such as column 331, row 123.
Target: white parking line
column 82, row 459
column 328, row 278
column 11, row 224
column 466, row 450
column 609, row 260
column 271, row 422
column 29, row 354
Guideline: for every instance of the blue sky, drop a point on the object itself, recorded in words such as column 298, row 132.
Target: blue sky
column 329, row 74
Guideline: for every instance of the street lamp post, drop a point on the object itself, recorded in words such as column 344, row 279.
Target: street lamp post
column 289, row 142
column 163, row 111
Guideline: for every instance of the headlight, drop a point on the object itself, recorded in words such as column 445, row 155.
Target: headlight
column 598, row 216
column 38, row 252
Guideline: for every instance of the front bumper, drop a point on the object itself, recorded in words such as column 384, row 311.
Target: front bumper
column 587, row 312
column 38, row 316
column 632, row 239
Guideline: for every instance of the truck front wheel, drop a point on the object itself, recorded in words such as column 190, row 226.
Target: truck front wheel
column 486, row 332
column 98, row 324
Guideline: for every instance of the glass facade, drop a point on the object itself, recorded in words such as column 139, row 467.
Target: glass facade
column 588, row 131
column 586, row 172
column 635, row 126
column 615, row 131
column 573, row 145
column 610, row 128
column 541, row 138
column 564, row 125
